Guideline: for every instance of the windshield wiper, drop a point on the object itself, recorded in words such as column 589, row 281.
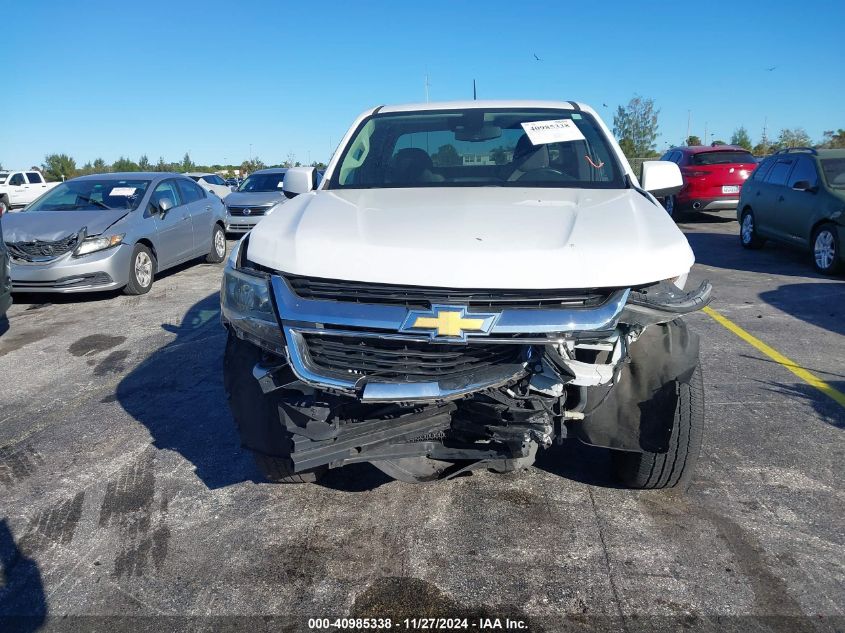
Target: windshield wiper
column 97, row 202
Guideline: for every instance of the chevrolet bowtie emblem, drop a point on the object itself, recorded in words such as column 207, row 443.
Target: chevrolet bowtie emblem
column 448, row 322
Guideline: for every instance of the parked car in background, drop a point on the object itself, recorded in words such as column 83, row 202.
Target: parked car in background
column 713, row 177
column 797, row 196
column 211, row 182
column 109, row 231
column 233, row 182
column 19, row 188
column 259, row 194
column 5, row 276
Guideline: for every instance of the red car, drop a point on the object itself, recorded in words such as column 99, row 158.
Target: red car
column 713, row 177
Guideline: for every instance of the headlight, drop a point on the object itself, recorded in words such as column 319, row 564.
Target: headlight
column 247, row 305
column 94, row 244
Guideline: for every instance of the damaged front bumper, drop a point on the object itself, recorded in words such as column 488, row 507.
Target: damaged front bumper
column 352, row 383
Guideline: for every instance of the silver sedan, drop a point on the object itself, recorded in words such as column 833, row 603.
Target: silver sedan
column 109, row 231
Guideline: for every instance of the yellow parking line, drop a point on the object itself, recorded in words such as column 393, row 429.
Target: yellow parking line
column 779, row 358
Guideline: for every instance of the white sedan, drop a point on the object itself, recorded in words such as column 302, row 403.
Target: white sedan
column 211, row 182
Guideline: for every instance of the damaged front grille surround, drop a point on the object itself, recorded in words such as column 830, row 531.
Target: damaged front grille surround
column 567, row 344
column 43, row 250
column 351, row 347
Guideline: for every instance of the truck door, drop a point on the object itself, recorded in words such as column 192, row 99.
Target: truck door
column 36, row 185
column 17, row 190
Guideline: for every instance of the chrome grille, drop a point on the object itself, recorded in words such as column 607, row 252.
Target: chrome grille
column 242, row 211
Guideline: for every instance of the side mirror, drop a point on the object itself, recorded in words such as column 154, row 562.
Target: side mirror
column 661, row 178
column 804, row 185
column 164, row 205
column 299, row 180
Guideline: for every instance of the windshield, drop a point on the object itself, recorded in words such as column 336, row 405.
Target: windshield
column 92, row 195
column 723, row 158
column 263, row 182
column 834, row 172
column 479, row 147
column 213, row 179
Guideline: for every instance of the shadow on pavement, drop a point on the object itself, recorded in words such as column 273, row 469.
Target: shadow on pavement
column 177, row 393
column 579, row 462
column 354, row 478
column 826, row 408
column 23, row 605
column 723, row 250
column 697, row 217
column 4, row 324
column 822, row 305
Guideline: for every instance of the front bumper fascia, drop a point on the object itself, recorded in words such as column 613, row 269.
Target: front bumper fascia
column 60, row 274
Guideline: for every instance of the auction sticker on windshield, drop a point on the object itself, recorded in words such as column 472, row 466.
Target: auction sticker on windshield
column 558, row 131
column 123, row 191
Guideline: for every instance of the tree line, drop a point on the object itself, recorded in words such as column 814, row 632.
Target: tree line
column 62, row 166
column 636, row 127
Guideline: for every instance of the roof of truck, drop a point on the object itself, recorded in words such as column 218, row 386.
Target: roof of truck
column 486, row 104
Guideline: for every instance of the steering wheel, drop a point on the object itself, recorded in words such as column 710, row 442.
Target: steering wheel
column 545, row 173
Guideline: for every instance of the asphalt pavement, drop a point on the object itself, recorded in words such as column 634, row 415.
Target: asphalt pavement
column 126, row 500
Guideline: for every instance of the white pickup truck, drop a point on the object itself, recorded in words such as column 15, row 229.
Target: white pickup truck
column 19, row 188
column 470, row 282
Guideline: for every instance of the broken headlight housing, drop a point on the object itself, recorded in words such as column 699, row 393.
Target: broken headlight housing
column 247, row 305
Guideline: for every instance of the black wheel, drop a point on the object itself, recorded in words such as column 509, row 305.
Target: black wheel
column 826, row 253
column 748, row 235
column 218, row 246
column 142, row 267
column 257, row 416
column 4, row 206
column 675, row 467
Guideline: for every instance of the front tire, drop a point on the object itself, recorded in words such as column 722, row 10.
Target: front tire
column 675, row 467
column 826, row 253
column 748, row 236
column 141, row 271
column 218, row 246
column 257, row 416
column 4, row 206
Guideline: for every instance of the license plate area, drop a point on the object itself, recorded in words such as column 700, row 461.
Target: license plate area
column 730, row 188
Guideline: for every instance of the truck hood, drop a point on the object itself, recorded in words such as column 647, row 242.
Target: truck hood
column 475, row 238
column 53, row 225
column 259, row 198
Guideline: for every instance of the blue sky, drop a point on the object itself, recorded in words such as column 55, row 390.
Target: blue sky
column 101, row 79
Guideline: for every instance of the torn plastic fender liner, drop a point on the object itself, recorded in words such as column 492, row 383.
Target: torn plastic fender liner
column 637, row 413
column 663, row 302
